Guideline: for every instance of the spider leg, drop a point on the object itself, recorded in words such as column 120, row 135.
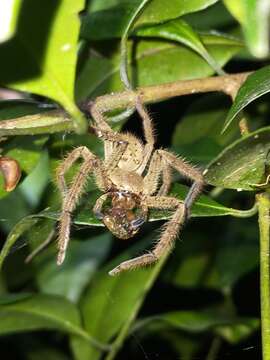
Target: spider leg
column 167, row 238
column 98, row 206
column 104, row 129
column 97, row 113
column 188, row 171
column 148, row 130
column 166, row 181
column 117, row 152
column 72, row 194
column 151, row 179
column 157, row 168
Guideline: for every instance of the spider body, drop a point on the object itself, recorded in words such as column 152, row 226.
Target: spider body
column 134, row 178
column 123, row 218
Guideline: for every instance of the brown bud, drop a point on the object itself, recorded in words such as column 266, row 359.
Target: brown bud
column 11, row 172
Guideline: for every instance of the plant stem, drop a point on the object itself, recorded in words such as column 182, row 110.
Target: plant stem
column 51, row 122
column 43, row 123
column 79, row 121
column 124, row 60
column 214, row 349
column 264, row 223
column 156, row 93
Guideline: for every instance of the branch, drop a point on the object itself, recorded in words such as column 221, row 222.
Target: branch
column 55, row 121
column 264, row 224
column 43, row 123
column 228, row 84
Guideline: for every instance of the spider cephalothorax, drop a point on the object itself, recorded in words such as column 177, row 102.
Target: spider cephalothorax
column 123, row 216
column 134, row 178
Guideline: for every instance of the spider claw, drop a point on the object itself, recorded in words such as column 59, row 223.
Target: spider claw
column 137, row 223
column 60, row 258
column 99, row 215
column 115, row 271
column 187, row 212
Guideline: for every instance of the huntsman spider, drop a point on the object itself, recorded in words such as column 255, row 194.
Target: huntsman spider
column 134, row 178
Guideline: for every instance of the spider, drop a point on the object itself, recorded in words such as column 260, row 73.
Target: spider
column 134, row 178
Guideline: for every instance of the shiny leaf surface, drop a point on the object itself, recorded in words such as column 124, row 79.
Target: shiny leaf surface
column 256, row 85
column 242, row 165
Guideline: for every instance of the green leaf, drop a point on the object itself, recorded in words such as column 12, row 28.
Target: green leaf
column 82, row 260
column 107, row 23
column 98, row 5
column 204, row 206
column 255, row 86
column 158, row 11
column 38, row 312
column 204, row 259
column 19, row 229
column 191, row 261
column 243, row 164
column 200, row 128
column 46, row 123
column 120, row 304
column 47, row 42
column 43, row 352
column 26, row 197
column 26, row 152
column 10, row 109
column 232, row 329
column 243, row 243
column 214, row 17
column 24, row 117
column 254, row 18
column 9, row 13
column 111, row 22
column 34, row 185
column 235, row 333
column 116, row 13
column 156, row 62
column 178, row 30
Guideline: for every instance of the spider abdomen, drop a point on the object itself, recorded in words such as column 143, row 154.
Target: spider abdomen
column 133, row 155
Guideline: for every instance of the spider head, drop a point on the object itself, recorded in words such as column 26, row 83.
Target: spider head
column 123, row 216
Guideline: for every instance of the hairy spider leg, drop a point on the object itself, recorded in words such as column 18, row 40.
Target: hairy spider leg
column 116, row 153
column 98, row 206
column 167, row 238
column 158, row 167
column 72, row 194
column 166, row 181
column 107, row 133
column 189, row 172
column 160, row 161
column 148, row 131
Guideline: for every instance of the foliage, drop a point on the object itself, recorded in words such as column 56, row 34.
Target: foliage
column 199, row 301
